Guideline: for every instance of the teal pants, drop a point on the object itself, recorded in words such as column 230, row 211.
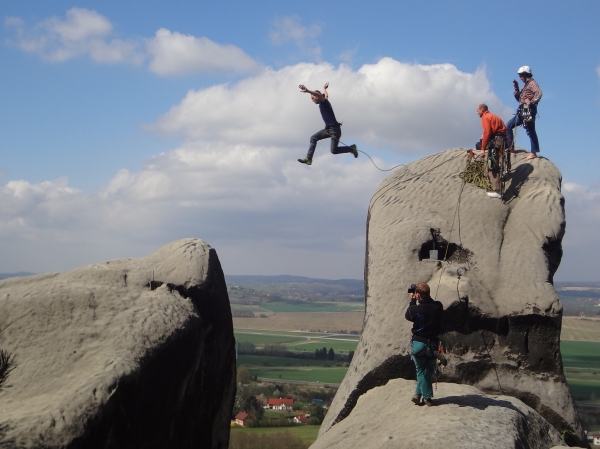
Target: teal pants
column 425, row 364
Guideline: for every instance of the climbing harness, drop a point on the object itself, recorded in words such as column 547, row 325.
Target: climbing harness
column 526, row 115
column 440, row 363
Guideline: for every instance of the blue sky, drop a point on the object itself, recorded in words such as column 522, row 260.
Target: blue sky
column 129, row 125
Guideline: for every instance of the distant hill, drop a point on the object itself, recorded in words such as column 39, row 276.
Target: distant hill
column 14, row 275
column 286, row 278
column 293, row 288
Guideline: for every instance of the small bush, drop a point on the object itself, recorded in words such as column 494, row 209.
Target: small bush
column 7, row 365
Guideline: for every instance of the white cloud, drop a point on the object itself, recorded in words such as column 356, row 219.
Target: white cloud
column 407, row 107
column 286, row 29
column 86, row 33
column 83, row 32
column 582, row 206
column 177, row 54
column 235, row 182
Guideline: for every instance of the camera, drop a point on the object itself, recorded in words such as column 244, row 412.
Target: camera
column 412, row 288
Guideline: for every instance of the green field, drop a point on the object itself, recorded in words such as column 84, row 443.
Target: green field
column 301, row 341
column 306, row 433
column 338, row 346
column 581, row 362
column 333, row 374
column 264, row 361
column 262, row 339
column 313, row 306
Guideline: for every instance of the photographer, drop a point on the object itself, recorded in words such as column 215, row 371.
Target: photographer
column 426, row 316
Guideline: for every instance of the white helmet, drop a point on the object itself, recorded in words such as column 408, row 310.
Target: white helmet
column 525, row 69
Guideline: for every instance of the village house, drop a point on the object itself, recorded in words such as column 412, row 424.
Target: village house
column 240, row 418
column 300, row 419
column 281, row 403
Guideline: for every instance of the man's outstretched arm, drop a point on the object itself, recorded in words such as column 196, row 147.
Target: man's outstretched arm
column 312, row 92
column 325, row 93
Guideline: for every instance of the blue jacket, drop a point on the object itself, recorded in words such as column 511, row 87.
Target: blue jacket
column 426, row 316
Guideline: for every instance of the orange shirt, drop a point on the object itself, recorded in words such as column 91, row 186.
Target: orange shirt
column 491, row 124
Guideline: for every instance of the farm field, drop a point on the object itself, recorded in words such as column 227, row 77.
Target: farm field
column 580, row 329
column 581, row 361
column 308, row 434
column 304, row 321
column 580, row 348
column 309, row 370
column 304, row 307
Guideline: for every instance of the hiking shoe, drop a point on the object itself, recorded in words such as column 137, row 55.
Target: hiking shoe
column 305, row 160
column 494, row 195
column 429, row 402
column 416, row 399
column 354, row 150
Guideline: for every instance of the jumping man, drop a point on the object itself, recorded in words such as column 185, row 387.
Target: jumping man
column 332, row 127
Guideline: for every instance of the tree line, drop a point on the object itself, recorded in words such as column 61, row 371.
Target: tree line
column 280, row 350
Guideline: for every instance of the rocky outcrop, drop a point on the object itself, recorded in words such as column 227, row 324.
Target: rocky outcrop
column 503, row 316
column 463, row 418
column 129, row 353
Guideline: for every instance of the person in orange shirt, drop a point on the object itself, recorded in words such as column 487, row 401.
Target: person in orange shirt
column 492, row 140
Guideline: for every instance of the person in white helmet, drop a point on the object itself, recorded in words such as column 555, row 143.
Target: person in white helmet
column 528, row 99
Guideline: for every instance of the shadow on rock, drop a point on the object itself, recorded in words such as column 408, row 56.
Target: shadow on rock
column 517, row 178
column 477, row 402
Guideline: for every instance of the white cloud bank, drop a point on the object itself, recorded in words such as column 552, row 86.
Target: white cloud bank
column 82, row 33
column 234, row 180
column 177, row 54
column 406, row 107
column 581, row 256
column 86, row 33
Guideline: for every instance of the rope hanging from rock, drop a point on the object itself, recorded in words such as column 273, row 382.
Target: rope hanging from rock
column 474, row 174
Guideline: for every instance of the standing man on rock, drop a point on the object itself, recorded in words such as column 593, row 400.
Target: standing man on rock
column 426, row 316
column 528, row 99
column 332, row 127
column 492, row 143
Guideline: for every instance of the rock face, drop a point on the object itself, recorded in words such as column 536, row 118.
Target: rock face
column 502, row 314
column 124, row 354
column 464, row 418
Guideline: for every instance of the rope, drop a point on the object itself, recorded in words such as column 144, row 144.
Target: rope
column 372, row 161
column 395, row 183
column 380, row 169
column 444, row 262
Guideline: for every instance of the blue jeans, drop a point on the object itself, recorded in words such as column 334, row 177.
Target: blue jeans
column 517, row 120
column 335, row 134
column 425, row 364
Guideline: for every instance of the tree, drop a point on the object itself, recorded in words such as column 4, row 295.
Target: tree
column 331, row 354
column 252, row 406
column 313, row 421
column 243, row 375
column 317, row 411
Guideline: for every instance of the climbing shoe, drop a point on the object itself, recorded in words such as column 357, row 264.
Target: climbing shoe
column 354, row 150
column 416, row 399
column 429, row 402
column 305, row 160
column 494, row 195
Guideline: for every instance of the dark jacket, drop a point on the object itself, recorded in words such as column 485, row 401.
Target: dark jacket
column 426, row 317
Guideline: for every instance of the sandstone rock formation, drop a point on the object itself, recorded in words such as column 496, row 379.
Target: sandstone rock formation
column 129, row 353
column 503, row 316
column 464, row 418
